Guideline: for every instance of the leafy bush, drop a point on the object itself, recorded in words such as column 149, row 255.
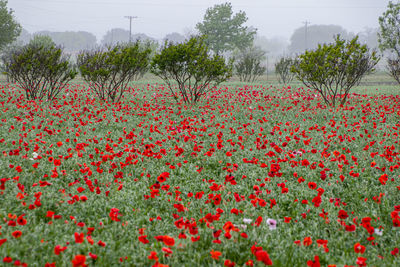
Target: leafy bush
column 333, row 69
column 109, row 71
column 394, row 68
column 191, row 66
column 248, row 64
column 389, row 38
column 283, row 69
column 41, row 71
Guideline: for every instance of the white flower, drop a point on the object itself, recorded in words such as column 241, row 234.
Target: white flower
column 271, row 224
column 247, row 220
column 34, row 156
column 379, row 231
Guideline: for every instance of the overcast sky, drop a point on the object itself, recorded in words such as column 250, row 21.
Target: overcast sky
column 156, row 18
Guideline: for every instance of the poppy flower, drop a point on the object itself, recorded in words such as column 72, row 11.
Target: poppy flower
column 79, row 261
column 17, row 234
column 358, row 248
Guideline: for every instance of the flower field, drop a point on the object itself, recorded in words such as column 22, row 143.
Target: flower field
column 250, row 176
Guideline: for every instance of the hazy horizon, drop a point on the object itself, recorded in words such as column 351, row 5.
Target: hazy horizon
column 158, row 18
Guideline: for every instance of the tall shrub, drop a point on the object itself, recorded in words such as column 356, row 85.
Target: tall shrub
column 333, row 69
column 248, row 64
column 41, row 71
column 191, row 66
column 109, row 71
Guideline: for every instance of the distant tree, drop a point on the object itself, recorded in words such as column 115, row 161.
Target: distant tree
column 333, row 69
column 316, row 34
column 369, row 36
column 40, row 69
column 42, row 40
column 72, row 41
column 114, row 36
column 389, row 35
column 275, row 46
column 24, row 37
column 109, row 71
column 9, row 27
column 191, row 66
column 248, row 63
column 284, row 69
column 118, row 35
column 224, row 30
column 174, row 37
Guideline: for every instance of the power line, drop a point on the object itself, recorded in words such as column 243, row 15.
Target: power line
column 130, row 26
column 306, row 23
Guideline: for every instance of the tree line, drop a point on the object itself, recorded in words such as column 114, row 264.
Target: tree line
column 223, row 45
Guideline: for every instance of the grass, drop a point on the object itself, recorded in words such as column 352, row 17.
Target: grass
column 152, row 169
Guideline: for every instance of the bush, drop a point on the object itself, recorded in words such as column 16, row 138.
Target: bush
column 333, row 69
column 283, row 69
column 108, row 71
column 191, row 66
column 248, row 64
column 41, row 71
column 394, row 68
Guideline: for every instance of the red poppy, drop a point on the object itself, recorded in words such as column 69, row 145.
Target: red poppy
column 17, row 234
column 358, row 248
column 79, row 237
column 79, row 261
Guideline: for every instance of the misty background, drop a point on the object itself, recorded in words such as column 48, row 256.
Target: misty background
column 281, row 25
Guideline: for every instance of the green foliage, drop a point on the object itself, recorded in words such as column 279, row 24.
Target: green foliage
column 108, row 72
column 41, row 71
column 225, row 30
column 394, row 68
column 283, row 69
column 333, row 69
column 42, row 40
column 389, row 35
column 9, row 28
column 72, row 41
column 191, row 66
column 316, row 34
column 248, row 64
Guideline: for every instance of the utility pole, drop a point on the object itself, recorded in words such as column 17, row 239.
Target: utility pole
column 306, row 23
column 130, row 25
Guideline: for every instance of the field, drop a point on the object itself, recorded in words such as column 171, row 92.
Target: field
column 253, row 175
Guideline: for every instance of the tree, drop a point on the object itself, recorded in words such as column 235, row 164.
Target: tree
column 9, row 28
column 389, row 35
column 283, row 69
column 248, row 63
column 174, row 37
column 224, row 30
column 109, row 71
column 394, row 68
column 118, row 36
column 191, row 66
column 316, row 34
column 42, row 71
column 42, row 40
column 389, row 38
column 333, row 69
column 72, row 41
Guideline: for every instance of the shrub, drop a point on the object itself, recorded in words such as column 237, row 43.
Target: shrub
column 41, row 71
column 192, row 67
column 333, row 69
column 109, row 71
column 248, row 64
column 394, row 68
column 283, row 69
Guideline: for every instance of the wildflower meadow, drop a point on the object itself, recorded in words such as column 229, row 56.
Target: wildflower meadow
column 250, row 175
